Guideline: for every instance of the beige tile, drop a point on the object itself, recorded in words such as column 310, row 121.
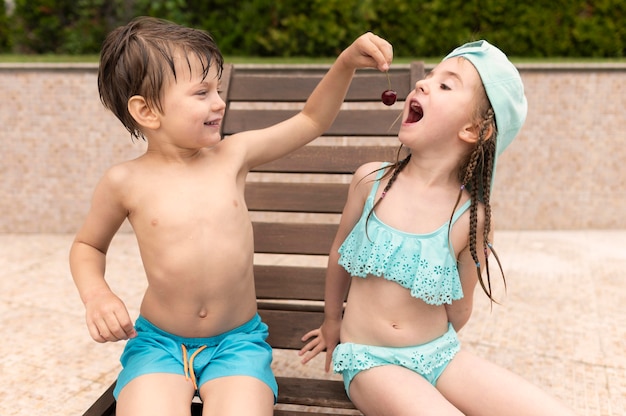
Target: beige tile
column 563, row 171
column 560, row 325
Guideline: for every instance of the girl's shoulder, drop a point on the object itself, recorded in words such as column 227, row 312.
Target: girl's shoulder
column 370, row 170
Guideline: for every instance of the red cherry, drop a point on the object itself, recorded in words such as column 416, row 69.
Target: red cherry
column 389, row 97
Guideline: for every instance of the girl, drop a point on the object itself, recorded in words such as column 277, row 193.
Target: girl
column 409, row 266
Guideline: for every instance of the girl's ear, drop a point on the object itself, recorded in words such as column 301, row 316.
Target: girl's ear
column 142, row 113
column 471, row 133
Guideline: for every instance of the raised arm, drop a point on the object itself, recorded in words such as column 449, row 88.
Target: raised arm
column 322, row 106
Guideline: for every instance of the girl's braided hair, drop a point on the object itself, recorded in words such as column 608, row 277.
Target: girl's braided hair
column 475, row 175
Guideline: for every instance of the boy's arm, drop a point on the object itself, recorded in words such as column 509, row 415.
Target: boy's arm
column 322, row 106
column 106, row 316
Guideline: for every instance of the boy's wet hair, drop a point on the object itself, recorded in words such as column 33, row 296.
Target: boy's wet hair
column 138, row 58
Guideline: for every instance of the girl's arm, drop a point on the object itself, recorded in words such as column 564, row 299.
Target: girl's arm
column 460, row 311
column 337, row 279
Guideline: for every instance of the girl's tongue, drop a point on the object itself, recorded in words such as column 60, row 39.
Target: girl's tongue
column 415, row 112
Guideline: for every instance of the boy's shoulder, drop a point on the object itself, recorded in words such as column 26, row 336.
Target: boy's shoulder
column 121, row 172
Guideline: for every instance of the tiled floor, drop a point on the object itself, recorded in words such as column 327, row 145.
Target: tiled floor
column 561, row 325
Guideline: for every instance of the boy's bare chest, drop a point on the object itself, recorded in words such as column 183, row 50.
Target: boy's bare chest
column 188, row 201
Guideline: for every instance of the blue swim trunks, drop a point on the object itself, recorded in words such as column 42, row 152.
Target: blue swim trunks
column 241, row 351
column 429, row 360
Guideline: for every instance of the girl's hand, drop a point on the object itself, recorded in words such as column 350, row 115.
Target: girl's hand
column 326, row 338
column 107, row 318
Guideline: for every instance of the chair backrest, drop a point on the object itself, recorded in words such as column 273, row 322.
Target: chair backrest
column 295, row 202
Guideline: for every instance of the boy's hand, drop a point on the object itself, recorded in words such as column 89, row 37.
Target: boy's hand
column 107, row 319
column 368, row 51
column 326, row 338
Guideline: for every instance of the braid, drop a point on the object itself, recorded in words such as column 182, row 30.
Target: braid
column 476, row 175
column 395, row 169
column 490, row 157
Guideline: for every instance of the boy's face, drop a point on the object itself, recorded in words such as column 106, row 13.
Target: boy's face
column 442, row 104
column 192, row 107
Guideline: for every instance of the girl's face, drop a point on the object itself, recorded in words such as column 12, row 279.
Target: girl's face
column 441, row 107
column 192, row 107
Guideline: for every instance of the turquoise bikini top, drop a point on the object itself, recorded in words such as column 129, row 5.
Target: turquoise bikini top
column 422, row 263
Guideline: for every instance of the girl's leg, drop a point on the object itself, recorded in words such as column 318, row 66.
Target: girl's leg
column 479, row 387
column 236, row 396
column 397, row 391
column 156, row 394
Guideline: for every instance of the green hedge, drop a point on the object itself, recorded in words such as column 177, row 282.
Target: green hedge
column 322, row 28
column 5, row 33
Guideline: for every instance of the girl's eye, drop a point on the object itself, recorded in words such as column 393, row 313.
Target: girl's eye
column 445, row 87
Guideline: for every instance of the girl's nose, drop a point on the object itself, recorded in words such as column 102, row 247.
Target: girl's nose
column 421, row 85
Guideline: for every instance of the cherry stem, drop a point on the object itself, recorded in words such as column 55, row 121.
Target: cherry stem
column 388, row 79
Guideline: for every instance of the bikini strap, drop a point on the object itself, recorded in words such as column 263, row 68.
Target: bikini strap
column 379, row 175
column 460, row 211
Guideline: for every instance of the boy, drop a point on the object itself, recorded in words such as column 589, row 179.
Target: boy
column 198, row 327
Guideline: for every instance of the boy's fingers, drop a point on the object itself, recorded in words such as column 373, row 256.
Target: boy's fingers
column 127, row 326
column 382, row 52
column 95, row 333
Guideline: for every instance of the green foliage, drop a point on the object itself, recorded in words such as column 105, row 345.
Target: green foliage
column 65, row 26
column 5, row 33
column 317, row 28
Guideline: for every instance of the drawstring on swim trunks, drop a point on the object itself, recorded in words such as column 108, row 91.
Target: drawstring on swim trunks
column 188, row 364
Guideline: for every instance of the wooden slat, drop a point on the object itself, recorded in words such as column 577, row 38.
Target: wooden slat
column 105, row 405
column 286, row 305
column 417, row 71
column 287, row 327
column 227, row 73
column 329, row 159
column 353, row 122
column 313, row 392
column 295, row 85
column 289, row 282
column 293, row 238
column 296, row 197
column 317, row 412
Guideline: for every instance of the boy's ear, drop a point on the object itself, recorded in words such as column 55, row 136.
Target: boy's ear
column 142, row 113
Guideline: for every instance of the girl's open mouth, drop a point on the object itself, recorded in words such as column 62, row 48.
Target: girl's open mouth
column 415, row 112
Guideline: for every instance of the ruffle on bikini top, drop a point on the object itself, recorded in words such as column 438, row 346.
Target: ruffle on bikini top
column 421, row 263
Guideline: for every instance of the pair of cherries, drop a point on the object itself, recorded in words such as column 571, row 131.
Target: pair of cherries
column 389, row 96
